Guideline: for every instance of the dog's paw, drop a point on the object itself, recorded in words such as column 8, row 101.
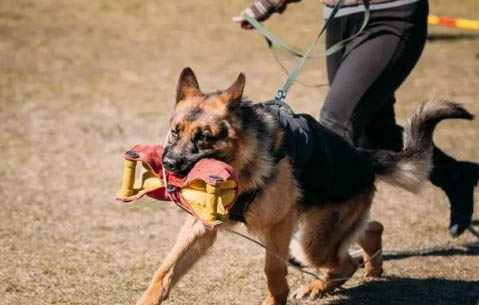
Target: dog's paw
column 374, row 272
column 147, row 302
column 271, row 300
column 151, row 299
column 312, row 290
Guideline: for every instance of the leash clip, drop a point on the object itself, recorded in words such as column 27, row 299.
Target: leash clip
column 171, row 188
column 280, row 95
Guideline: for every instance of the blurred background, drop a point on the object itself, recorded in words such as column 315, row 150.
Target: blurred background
column 83, row 81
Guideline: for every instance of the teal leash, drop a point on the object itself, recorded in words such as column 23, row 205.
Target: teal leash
column 275, row 42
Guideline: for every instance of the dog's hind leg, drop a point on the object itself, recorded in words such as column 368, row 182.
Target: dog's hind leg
column 193, row 241
column 371, row 242
column 339, row 272
column 326, row 236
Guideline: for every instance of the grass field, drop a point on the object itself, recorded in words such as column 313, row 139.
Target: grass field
column 82, row 81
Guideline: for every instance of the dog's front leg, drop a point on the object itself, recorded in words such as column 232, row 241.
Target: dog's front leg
column 192, row 243
column 277, row 239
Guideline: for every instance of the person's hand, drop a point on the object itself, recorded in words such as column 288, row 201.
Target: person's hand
column 240, row 19
column 260, row 10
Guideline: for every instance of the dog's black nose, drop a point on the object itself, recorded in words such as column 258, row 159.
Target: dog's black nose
column 169, row 163
column 173, row 164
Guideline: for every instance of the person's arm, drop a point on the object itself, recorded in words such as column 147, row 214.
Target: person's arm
column 261, row 10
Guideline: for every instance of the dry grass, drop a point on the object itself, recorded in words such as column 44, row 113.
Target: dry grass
column 82, row 81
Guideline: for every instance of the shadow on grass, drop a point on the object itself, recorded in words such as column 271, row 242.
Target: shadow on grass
column 432, row 37
column 394, row 290
column 472, row 228
column 468, row 249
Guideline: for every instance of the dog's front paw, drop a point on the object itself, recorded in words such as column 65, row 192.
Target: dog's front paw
column 154, row 297
column 148, row 301
column 312, row 290
column 279, row 300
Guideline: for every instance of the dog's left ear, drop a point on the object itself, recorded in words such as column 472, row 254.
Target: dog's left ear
column 187, row 85
column 234, row 93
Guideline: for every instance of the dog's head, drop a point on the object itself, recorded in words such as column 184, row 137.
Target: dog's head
column 204, row 125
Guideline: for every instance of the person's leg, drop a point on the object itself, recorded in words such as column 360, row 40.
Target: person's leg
column 382, row 132
column 456, row 178
column 334, row 34
column 372, row 68
column 364, row 76
column 359, row 106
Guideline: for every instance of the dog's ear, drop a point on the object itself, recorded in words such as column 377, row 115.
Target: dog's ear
column 187, row 85
column 234, row 93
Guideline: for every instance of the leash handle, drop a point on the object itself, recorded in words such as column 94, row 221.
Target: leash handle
column 273, row 41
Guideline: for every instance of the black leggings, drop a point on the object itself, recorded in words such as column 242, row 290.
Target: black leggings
column 365, row 74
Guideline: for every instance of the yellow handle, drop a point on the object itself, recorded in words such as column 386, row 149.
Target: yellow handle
column 129, row 169
column 212, row 194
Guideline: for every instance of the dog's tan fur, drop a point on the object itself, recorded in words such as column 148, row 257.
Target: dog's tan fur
column 274, row 215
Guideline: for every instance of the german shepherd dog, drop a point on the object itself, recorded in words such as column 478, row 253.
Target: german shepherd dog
column 327, row 199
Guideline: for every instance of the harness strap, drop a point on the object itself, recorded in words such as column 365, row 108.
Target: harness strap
column 241, row 205
column 273, row 41
column 245, row 199
column 283, row 106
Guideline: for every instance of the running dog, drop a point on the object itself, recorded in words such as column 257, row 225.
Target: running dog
column 294, row 175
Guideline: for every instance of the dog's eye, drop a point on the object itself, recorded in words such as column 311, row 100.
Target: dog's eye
column 176, row 129
column 206, row 137
column 175, row 132
column 203, row 138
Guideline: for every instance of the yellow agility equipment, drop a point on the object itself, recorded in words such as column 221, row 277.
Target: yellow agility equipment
column 457, row 23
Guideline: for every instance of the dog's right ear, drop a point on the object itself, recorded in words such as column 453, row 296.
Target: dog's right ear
column 187, row 85
column 233, row 94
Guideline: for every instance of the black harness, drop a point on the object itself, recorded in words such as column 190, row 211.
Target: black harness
column 242, row 203
column 297, row 144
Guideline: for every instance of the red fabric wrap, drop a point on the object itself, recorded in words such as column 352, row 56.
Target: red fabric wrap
column 211, row 171
column 149, row 155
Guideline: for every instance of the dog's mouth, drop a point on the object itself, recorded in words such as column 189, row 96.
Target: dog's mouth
column 183, row 172
column 181, row 165
column 179, row 172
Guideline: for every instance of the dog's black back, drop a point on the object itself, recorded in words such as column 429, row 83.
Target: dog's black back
column 328, row 169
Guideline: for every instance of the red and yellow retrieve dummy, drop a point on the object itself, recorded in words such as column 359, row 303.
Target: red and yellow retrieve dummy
column 208, row 192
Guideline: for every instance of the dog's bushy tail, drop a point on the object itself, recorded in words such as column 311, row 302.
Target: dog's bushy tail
column 411, row 167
